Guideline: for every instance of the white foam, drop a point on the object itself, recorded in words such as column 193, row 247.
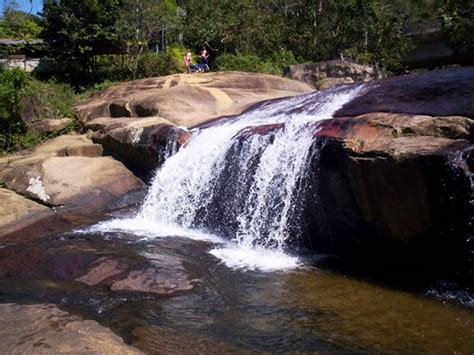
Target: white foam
column 247, row 258
column 147, row 229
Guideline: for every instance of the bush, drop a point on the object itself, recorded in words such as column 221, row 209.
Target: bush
column 158, row 64
column 24, row 99
column 48, row 100
column 273, row 64
column 13, row 83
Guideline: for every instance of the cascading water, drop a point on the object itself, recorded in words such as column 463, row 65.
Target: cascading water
column 235, row 180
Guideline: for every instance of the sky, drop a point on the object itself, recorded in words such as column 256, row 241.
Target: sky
column 25, row 5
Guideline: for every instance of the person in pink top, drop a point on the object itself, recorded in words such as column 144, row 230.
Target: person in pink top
column 187, row 61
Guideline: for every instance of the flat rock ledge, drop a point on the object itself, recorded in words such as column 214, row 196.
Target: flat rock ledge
column 45, row 329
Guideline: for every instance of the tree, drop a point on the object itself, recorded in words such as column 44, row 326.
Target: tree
column 77, row 30
column 139, row 22
column 17, row 24
column 245, row 26
column 457, row 23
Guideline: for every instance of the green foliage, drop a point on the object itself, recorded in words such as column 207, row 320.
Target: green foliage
column 274, row 64
column 141, row 21
column 76, row 31
column 12, row 86
column 19, row 25
column 20, row 96
column 457, row 20
column 178, row 53
column 51, row 100
column 159, row 64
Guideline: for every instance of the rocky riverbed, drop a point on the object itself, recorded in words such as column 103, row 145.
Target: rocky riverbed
column 393, row 181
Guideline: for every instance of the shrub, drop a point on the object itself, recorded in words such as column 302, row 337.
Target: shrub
column 49, row 100
column 13, row 83
column 274, row 64
column 158, row 64
column 24, row 99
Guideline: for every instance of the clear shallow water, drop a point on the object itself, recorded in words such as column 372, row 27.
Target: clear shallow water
column 307, row 308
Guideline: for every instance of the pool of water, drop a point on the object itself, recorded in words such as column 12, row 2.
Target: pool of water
column 309, row 307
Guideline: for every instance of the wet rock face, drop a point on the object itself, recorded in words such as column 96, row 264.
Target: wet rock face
column 165, row 275
column 45, row 329
column 385, row 181
column 435, row 93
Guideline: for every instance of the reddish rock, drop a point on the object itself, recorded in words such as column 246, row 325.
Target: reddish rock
column 260, row 130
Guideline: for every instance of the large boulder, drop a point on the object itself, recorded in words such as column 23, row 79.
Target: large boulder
column 67, row 172
column 49, row 125
column 142, row 121
column 15, row 208
column 385, row 181
column 45, row 329
column 188, row 99
column 436, row 93
column 323, row 75
column 141, row 144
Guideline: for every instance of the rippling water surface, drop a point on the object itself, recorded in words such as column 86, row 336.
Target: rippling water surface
column 306, row 308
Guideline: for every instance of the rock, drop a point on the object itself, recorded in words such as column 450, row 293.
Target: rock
column 398, row 135
column 45, row 329
column 164, row 275
column 68, row 171
column 389, row 181
column 261, row 130
column 436, row 93
column 104, row 269
column 331, row 73
column 116, row 116
column 187, row 99
column 15, row 208
column 49, row 125
column 74, row 182
column 67, row 146
column 141, row 144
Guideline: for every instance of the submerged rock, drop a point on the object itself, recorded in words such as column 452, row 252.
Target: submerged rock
column 164, row 275
column 45, row 329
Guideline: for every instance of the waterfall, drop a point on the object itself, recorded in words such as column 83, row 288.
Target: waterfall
column 238, row 178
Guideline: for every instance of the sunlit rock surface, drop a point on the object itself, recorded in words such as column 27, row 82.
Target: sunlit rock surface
column 67, row 172
column 45, row 329
column 136, row 121
column 188, row 99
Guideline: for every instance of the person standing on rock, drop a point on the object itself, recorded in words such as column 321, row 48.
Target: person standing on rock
column 187, row 60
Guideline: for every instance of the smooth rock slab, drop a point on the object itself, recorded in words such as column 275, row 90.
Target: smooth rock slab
column 188, row 99
column 45, row 329
column 14, row 207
